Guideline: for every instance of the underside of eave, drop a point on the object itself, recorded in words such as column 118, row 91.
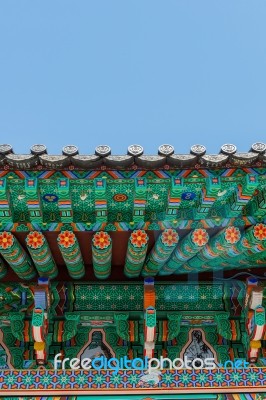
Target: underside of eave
column 119, row 251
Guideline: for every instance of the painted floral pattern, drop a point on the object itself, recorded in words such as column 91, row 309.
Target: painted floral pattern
column 260, row 231
column 101, row 240
column 6, row 240
column 66, row 239
column 169, row 237
column 35, row 239
column 232, row 234
column 246, row 243
column 200, row 237
column 139, row 238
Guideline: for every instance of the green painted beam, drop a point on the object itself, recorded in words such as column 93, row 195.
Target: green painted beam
column 190, row 245
column 247, row 252
column 102, row 254
column 41, row 254
column 16, row 256
column 136, row 252
column 218, row 245
column 161, row 252
column 70, row 250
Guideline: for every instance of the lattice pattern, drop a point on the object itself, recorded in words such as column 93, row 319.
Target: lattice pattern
column 92, row 380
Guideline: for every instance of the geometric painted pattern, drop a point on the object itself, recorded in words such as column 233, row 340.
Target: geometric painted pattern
column 117, row 297
column 108, row 297
column 184, row 297
column 179, row 198
column 228, row 396
column 252, row 380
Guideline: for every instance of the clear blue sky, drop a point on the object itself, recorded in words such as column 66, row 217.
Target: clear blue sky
column 120, row 72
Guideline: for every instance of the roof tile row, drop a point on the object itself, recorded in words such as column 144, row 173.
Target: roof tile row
column 70, row 158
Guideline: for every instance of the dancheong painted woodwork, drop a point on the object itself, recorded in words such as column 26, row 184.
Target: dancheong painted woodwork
column 133, row 257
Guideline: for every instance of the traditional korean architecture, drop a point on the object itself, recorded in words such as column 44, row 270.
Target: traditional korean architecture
column 133, row 257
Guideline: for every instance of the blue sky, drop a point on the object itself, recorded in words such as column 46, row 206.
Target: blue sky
column 120, row 72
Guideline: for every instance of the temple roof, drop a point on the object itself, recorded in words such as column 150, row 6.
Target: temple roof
column 135, row 158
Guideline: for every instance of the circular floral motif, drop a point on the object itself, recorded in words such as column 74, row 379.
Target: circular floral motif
column 66, row 239
column 258, row 147
column 35, row 239
column 116, row 379
column 135, row 150
column 200, row 237
column 228, row 149
column 260, row 231
column 169, row 237
column 101, row 240
column 185, row 378
column 166, row 150
column 103, row 150
column 38, row 149
column 70, row 150
column 198, row 150
column 252, row 377
column 6, row 240
column 120, row 197
column 232, row 234
column 219, row 377
column 236, row 377
column 202, row 378
column 5, row 148
column 139, row 238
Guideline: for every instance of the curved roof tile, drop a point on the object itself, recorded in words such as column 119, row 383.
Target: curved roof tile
column 135, row 158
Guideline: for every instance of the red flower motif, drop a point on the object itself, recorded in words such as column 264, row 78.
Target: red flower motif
column 260, row 231
column 232, row 234
column 246, row 243
column 35, row 239
column 169, row 237
column 139, row 238
column 200, row 237
column 66, row 238
column 6, row 240
column 101, row 240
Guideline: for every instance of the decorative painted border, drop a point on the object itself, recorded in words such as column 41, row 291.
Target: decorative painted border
column 205, row 396
column 127, row 381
